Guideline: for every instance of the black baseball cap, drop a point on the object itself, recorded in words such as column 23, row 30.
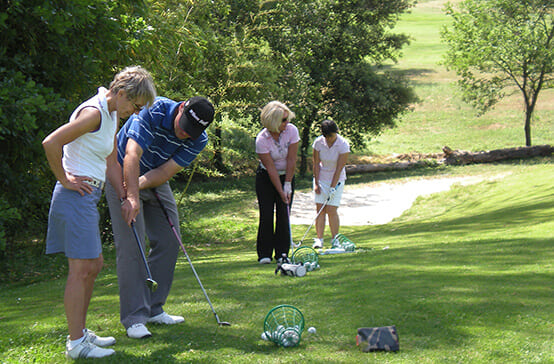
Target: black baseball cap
column 198, row 113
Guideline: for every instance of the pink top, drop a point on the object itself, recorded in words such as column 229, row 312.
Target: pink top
column 278, row 150
column 328, row 157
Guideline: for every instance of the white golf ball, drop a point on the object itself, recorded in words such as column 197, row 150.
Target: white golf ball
column 265, row 336
column 312, row 330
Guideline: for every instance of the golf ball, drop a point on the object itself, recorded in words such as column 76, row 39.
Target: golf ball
column 312, row 330
column 265, row 336
column 290, row 338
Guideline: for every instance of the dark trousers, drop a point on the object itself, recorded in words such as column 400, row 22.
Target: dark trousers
column 272, row 238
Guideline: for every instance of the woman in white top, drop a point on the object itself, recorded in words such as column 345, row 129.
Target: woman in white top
column 330, row 154
column 276, row 146
column 78, row 153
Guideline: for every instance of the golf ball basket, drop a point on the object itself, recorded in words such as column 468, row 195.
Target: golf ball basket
column 306, row 256
column 284, row 325
column 341, row 241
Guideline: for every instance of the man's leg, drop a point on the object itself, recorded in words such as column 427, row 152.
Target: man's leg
column 163, row 242
column 134, row 294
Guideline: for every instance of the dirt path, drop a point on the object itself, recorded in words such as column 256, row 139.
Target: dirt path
column 376, row 204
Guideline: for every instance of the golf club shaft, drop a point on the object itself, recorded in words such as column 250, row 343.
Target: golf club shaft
column 292, row 245
column 186, row 255
column 153, row 285
column 316, row 216
column 312, row 224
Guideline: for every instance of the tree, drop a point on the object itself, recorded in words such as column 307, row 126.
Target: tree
column 330, row 54
column 498, row 46
column 53, row 54
column 209, row 47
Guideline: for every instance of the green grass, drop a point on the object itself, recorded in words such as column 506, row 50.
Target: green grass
column 466, row 279
column 441, row 118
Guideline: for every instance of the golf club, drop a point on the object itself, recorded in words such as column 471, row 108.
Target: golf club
column 313, row 221
column 292, row 245
column 220, row 323
column 151, row 283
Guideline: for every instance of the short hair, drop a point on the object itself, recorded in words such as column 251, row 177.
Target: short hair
column 137, row 83
column 328, row 127
column 272, row 115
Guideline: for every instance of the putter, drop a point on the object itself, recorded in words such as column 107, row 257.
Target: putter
column 151, row 283
column 220, row 323
column 313, row 221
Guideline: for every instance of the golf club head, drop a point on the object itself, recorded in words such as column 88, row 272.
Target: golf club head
column 152, row 284
column 224, row 323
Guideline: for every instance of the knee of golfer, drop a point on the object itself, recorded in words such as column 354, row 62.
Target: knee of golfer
column 86, row 269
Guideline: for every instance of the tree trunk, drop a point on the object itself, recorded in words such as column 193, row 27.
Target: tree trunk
column 528, row 113
column 305, row 144
column 218, row 156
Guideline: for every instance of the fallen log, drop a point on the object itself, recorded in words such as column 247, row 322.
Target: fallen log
column 456, row 157
column 462, row 157
column 396, row 166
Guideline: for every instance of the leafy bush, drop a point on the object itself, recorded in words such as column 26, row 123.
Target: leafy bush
column 27, row 112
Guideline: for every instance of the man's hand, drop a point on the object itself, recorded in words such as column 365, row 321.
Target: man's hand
column 130, row 208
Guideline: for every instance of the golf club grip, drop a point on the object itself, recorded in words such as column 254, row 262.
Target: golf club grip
column 141, row 250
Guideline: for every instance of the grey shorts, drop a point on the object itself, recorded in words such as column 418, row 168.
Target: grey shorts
column 73, row 224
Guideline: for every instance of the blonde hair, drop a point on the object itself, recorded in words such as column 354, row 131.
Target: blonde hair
column 137, row 84
column 272, row 115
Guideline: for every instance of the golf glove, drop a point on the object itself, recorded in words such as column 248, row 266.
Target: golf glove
column 332, row 191
column 287, row 188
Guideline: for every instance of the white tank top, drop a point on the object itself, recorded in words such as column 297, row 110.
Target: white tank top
column 86, row 155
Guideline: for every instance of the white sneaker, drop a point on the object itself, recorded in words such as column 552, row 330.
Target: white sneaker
column 318, row 243
column 138, row 331
column 86, row 349
column 98, row 340
column 265, row 260
column 166, row 319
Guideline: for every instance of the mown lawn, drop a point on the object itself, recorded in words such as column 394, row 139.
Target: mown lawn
column 466, row 278
column 466, row 275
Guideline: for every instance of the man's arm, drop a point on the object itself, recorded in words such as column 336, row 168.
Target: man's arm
column 131, row 172
column 160, row 175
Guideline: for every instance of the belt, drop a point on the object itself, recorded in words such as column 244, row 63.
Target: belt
column 96, row 183
column 261, row 167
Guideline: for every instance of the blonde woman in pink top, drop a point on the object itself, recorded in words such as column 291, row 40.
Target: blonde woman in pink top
column 330, row 154
column 276, row 146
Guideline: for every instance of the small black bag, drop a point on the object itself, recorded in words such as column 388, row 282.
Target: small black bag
column 378, row 339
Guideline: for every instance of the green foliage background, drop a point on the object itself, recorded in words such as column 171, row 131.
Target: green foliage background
column 238, row 53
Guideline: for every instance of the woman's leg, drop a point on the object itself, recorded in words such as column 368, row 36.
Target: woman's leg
column 78, row 292
column 265, row 193
column 334, row 221
column 319, row 221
